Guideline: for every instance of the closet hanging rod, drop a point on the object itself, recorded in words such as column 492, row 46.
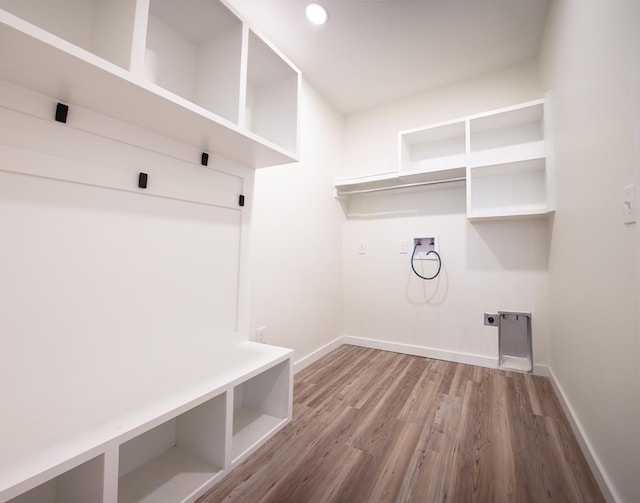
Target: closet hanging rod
column 402, row 186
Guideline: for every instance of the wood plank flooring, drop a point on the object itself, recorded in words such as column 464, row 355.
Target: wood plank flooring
column 376, row 426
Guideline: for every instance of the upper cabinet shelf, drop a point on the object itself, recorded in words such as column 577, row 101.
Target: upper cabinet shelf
column 500, row 154
column 194, row 49
column 507, row 170
column 191, row 70
column 441, row 147
column 101, row 27
column 509, row 135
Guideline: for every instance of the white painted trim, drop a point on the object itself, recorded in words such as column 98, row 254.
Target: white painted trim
column 314, row 356
column 597, row 468
column 541, row 370
column 439, row 354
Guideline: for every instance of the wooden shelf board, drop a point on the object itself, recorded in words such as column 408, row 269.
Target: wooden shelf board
column 173, row 476
column 70, row 74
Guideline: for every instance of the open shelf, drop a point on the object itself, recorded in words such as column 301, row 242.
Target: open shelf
column 508, row 190
column 395, row 180
column 176, row 69
column 194, row 50
column 79, row 485
column 440, row 147
column 499, row 154
column 272, row 95
column 176, row 459
column 514, row 134
column 102, row 27
column 260, row 407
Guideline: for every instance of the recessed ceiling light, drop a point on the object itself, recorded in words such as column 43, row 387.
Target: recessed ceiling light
column 316, row 13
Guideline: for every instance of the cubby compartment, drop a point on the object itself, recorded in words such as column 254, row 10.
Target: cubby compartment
column 515, row 134
column 435, row 148
column 177, row 459
column 194, row 50
column 260, row 406
column 513, row 189
column 102, row 27
column 81, row 484
column 271, row 109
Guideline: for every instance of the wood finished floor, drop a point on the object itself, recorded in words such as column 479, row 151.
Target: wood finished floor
column 376, row 426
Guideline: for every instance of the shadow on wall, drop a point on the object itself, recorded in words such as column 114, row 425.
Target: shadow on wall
column 512, row 245
column 447, row 199
column 433, row 292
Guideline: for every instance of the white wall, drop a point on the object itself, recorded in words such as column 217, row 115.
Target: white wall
column 590, row 63
column 296, row 235
column 487, row 266
column 92, row 277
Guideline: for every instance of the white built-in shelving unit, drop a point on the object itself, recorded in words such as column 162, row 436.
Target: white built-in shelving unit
column 191, row 70
column 151, row 85
column 507, row 168
column 501, row 155
column 167, row 430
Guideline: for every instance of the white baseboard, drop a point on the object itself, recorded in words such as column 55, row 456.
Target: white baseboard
column 594, row 463
column 314, row 356
column 409, row 349
column 541, row 370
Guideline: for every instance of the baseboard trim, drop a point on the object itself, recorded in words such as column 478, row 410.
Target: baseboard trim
column 593, row 461
column 409, row 349
column 314, row 356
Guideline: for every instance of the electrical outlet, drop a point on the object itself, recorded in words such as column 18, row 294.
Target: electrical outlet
column 260, row 334
column 491, row 319
column 362, row 248
column 403, row 247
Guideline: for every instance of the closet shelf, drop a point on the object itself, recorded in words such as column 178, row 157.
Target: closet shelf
column 36, row 59
column 396, row 180
column 500, row 155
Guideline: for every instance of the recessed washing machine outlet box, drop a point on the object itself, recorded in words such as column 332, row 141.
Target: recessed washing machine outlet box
column 422, row 244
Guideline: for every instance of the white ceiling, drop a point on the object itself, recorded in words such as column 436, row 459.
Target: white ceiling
column 374, row 51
